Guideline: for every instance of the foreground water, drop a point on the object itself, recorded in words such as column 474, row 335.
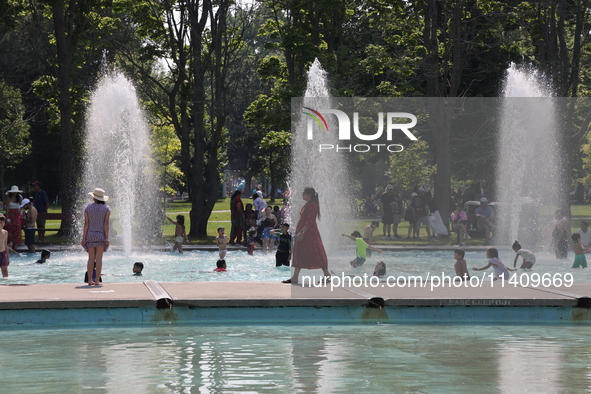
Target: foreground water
column 69, row 267
column 292, row 358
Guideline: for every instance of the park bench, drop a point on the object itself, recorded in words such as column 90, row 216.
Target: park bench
column 53, row 216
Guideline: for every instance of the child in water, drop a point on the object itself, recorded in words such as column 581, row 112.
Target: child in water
column 529, row 259
column 179, row 232
column 283, row 254
column 460, row 266
column 45, row 254
column 251, row 241
column 580, row 251
column 493, row 260
column 221, row 266
column 361, row 248
column 222, row 242
column 137, row 268
column 380, row 269
column 4, row 259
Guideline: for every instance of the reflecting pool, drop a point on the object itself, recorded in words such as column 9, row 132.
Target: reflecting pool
column 292, row 358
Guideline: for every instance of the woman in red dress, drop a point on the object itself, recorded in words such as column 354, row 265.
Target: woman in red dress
column 308, row 251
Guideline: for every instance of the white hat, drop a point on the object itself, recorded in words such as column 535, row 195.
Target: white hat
column 389, row 187
column 421, row 189
column 25, row 202
column 413, row 194
column 14, row 189
column 99, row 194
column 260, row 193
column 483, row 199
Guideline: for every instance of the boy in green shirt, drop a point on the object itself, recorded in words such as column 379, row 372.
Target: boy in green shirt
column 362, row 246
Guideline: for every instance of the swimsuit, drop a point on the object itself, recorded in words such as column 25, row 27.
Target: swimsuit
column 29, row 235
column 499, row 268
column 528, row 256
column 178, row 239
column 359, row 261
column 580, row 261
column 250, row 247
column 3, row 259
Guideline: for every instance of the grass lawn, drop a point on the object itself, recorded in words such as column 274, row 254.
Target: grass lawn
column 222, row 219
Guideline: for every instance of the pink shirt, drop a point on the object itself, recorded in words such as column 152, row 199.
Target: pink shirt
column 454, row 216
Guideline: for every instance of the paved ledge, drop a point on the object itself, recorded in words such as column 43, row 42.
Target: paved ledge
column 72, row 295
column 272, row 294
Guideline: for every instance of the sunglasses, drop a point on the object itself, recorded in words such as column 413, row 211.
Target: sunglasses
column 2, row 219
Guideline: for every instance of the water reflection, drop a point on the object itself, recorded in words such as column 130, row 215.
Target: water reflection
column 370, row 358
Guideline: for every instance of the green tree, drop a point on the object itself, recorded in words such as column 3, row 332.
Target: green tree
column 412, row 166
column 14, row 130
column 560, row 42
column 73, row 36
column 201, row 41
column 166, row 149
column 274, row 152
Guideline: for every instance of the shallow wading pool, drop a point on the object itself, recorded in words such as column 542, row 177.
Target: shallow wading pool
column 69, row 267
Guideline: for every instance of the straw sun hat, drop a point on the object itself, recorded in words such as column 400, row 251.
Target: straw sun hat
column 99, row 194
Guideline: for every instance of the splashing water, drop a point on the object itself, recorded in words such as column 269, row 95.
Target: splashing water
column 324, row 171
column 527, row 166
column 118, row 160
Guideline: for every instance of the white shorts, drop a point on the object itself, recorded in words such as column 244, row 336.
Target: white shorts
column 178, row 239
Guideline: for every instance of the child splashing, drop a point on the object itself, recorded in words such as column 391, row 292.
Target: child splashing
column 222, row 242
column 529, row 259
column 361, row 248
column 179, row 232
column 501, row 272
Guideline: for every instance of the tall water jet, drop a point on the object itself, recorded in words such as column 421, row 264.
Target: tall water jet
column 118, row 159
column 527, row 165
column 325, row 171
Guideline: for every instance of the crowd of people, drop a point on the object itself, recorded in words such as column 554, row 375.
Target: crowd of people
column 263, row 225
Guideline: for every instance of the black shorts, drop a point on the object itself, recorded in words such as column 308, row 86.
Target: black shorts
column 409, row 217
column 281, row 258
column 388, row 218
column 30, row 236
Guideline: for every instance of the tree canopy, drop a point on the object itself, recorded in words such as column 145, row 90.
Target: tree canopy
column 217, row 79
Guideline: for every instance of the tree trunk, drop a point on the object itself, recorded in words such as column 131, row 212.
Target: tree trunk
column 65, row 42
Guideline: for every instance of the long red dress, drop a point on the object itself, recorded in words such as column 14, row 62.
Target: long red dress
column 309, row 251
column 15, row 227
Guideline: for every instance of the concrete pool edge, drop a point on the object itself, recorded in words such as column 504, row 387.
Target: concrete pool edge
column 270, row 301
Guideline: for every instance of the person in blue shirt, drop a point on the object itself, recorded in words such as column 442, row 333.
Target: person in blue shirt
column 42, row 206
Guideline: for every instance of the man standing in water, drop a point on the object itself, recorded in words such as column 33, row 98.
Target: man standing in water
column 30, row 218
